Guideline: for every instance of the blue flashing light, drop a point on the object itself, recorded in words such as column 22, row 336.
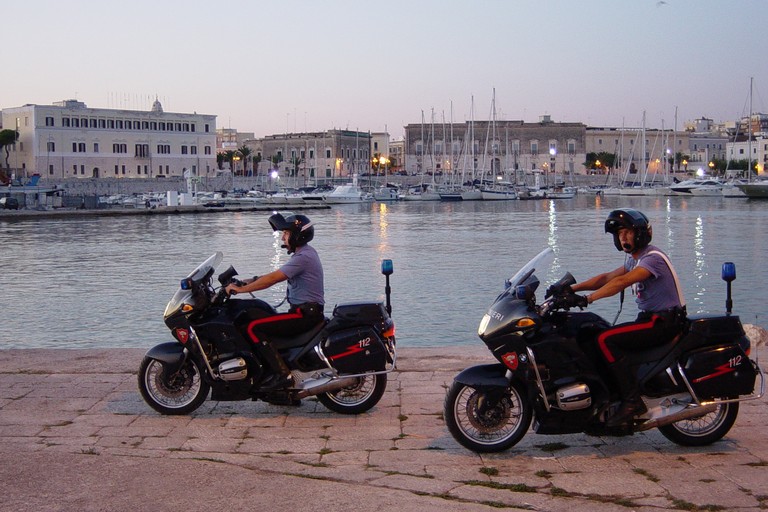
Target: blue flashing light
column 387, row 267
column 729, row 271
column 186, row 284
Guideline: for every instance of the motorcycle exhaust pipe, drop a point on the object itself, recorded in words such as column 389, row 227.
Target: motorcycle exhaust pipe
column 332, row 385
column 685, row 414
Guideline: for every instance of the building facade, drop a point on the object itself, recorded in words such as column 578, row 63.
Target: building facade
column 634, row 154
column 70, row 140
column 304, row 159
column 494, row 150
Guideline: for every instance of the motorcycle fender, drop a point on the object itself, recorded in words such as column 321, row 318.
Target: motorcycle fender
column 484, row 376
column 171, row 354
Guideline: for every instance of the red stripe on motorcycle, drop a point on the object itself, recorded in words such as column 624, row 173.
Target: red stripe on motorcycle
column 352, row 349
column 720, row 370
column 601, row 339
column 271, row 319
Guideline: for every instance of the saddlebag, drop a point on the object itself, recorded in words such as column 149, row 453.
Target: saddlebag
column 356, row 350
column 721, row 371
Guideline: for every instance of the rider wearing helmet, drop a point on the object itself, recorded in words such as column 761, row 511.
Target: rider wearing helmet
column 305, row 293
column 659, row 297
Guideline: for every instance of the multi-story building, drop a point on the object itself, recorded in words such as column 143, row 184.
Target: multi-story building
column 70, row 140
column 494, row 149
column 306, row 158
column 229, row 139
column 633, row 154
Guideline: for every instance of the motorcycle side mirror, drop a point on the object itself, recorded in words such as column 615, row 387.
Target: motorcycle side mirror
column 387, row 267
column 729, row 271
column 523, row 292
column 226, row 276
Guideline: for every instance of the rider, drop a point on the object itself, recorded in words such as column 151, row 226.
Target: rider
column 659, row 298
column 305, row 293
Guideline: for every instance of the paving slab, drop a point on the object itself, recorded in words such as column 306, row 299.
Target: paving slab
column 76, row 435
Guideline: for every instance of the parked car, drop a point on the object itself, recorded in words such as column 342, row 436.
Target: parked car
column 9, row 203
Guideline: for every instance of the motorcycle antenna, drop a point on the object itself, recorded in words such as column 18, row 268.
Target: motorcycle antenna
column 728, row 275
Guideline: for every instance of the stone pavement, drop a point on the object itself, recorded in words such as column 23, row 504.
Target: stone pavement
column 76, row 435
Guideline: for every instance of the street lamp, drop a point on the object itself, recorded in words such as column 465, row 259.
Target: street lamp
column 711, row 167
column 552, row 154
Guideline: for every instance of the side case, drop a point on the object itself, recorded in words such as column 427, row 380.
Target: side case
column 356, row 350
column 722, row 371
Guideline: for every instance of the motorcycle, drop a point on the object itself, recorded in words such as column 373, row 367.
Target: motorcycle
column 343, row 360
column 549, row 371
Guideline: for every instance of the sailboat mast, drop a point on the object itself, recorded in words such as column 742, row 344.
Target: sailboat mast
column 749, row 134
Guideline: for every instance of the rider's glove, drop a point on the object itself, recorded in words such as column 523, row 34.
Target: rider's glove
column 580, row 301
column 558, row 289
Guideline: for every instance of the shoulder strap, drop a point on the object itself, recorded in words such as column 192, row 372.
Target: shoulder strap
column 674, row 275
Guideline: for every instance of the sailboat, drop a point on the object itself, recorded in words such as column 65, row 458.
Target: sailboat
column 752, row 189
column 423, row 191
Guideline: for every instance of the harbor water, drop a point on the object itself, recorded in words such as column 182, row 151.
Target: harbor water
column 103, row 282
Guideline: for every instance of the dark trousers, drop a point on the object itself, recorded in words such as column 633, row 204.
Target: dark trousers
column 650, row 329
column 298, row 319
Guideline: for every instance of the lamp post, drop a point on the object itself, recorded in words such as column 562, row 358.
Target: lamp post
column 711, row 167
column 552, row 154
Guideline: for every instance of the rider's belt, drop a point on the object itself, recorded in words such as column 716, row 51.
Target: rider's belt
column 676, row 314
column 308, row 308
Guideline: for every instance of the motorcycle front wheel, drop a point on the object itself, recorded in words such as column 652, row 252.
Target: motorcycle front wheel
column 177, row 393
column 705, row 429
column 487, row 422
column 358, row 397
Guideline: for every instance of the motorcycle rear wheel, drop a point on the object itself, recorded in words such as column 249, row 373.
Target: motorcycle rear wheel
column 179, row 393
column 703, row 430
column 358, row 397
column 487, row 427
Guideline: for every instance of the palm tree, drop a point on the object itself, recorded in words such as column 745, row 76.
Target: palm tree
column 244, row 152
column 7, row 139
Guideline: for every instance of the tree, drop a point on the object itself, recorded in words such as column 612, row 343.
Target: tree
column 7, row 139
column 229, row 156
column 244, row 152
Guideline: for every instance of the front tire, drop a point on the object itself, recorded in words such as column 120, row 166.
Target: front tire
column 703, row 430
column 484, row 423
column 358, row 397
column 178, row 393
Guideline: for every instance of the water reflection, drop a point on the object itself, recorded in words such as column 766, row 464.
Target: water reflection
column 115, row 275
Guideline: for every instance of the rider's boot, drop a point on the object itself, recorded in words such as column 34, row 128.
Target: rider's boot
column 631, row 403
column 281, row 375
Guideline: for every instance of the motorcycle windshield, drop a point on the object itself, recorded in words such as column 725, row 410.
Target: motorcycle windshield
column 539, row 264
column 204, row 270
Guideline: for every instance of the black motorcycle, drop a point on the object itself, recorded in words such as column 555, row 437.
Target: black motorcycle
column 550, row 371
column 343, row 360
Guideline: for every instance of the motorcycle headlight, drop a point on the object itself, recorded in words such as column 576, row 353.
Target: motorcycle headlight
column 483, row 324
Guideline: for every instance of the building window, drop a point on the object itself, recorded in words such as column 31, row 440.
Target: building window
column 145, row 125
column 119, row 124
column 328, row 153
column 153, row 125
column 207, row 150
column 207, row 128
column 184, row 150
column 94, row 123
column 119, row 148
column 102, row 123
column 51, row 147
column 534, row 148
column 163, row 149
column 95, row 147
column 193, row 128
column 50, row 169
column 65, row 122
column 186, row 127
column 49, row 121
column 193, row 150
column 117, row 170
column 142, row 150
column 75, row 124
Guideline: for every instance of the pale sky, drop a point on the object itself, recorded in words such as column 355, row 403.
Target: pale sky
column 301, row 65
